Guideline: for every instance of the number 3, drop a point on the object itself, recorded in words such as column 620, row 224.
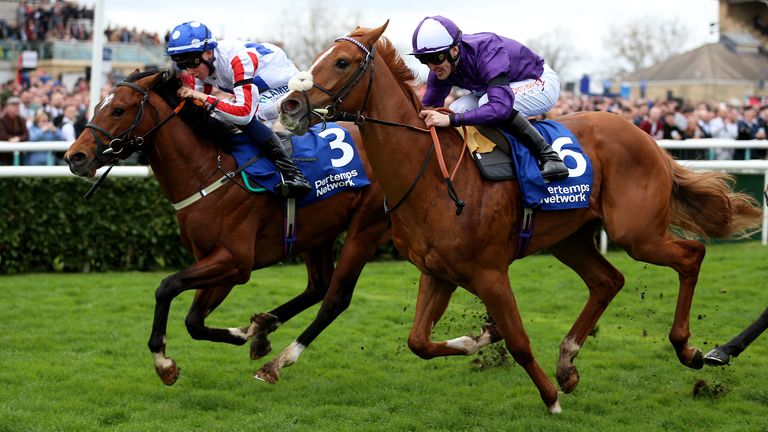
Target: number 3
column 347, row 152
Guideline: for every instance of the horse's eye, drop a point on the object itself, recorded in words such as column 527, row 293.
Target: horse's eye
column 342, row 63
column 117, row 112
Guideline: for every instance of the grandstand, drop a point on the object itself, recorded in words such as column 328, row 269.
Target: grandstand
column 63, row 48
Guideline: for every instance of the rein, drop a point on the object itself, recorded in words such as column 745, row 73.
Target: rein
column 331, row 113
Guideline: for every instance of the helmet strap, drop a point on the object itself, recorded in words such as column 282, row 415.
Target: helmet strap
column 451, row 59
column 209, row 63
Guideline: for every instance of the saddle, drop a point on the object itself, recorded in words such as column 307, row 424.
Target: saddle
column 492, row 152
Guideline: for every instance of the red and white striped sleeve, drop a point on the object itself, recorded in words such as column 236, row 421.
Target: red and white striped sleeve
column 242, row 108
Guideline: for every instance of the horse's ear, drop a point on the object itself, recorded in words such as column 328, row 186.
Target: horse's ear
column 372, row 36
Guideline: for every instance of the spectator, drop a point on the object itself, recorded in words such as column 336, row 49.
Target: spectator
column 13, row 127
column 670, row 129
column 68, row 122
column 42, row 129
column 723, row 125
column 748, row 129
column 653, row 124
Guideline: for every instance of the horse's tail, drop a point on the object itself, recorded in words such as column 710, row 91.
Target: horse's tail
column 704, row 204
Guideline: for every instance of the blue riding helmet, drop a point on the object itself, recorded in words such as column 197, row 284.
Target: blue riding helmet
column 191, row 36
column 435, row 34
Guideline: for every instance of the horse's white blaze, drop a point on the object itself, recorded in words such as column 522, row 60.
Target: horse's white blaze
column 321, row 58
column 161, row 361
column 107, row 100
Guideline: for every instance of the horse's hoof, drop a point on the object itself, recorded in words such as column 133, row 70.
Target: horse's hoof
column 260, row 346
column 697, row 362
column 716, row 358
column 267, row 375
column 490, row 328
column 168, row 375
column 568, row 379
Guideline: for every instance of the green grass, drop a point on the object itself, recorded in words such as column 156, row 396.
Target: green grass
column 73, row 356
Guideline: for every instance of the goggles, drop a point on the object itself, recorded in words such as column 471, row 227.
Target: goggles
column 187, row 60
column 435, row 58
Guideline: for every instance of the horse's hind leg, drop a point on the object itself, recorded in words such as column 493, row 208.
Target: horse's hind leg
column 603, row 281
column 721, row 355
column 319, row 264
column 685, row 257
column 363, row 238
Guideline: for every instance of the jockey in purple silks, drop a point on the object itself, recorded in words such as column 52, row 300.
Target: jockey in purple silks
column 508, row 82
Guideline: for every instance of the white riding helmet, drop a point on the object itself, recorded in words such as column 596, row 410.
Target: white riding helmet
column 435, row 34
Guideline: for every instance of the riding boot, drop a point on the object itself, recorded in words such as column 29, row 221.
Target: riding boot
column 294, row 183
column 552, row 167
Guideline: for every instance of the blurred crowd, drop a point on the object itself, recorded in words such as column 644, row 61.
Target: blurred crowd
column 42, row 109
column 679, row 119
column 61, row 20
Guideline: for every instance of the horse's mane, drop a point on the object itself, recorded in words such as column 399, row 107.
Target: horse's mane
column 196, row 117
column 396, row 64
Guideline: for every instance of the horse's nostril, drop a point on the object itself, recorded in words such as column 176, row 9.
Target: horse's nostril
column 290, row 106
column 77, row 157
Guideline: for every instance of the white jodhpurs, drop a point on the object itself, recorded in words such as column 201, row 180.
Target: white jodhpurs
column 532, row 97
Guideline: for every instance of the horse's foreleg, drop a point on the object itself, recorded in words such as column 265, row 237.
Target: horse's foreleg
column 214, row 270
column 721, row 355
column 360, row 245
column 603, row 281
column 319, row 264
column 492, row 287
column 433, row 298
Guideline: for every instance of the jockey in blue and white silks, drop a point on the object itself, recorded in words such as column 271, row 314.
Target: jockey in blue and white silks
column 507, row 81
column 250, row 72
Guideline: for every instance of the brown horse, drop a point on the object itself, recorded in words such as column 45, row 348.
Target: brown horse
column 232, row 231
column 638, row 194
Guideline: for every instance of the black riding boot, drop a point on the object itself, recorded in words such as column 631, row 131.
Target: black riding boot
column 295, row 184
column 552, row 167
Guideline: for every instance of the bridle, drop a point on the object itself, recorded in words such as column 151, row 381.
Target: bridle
column 337, row 98
column 126, row 143
column 331, row 112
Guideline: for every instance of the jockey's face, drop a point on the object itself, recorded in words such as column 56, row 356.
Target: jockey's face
column 201, row 71
column 443, row 70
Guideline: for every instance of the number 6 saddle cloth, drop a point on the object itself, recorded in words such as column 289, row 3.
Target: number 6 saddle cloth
column 500, row 156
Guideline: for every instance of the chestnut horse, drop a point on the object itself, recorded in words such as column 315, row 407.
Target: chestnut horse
column 231, row 231
column 638, row 193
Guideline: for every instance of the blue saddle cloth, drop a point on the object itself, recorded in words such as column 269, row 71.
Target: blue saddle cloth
column 328, row 158
column 570, row 193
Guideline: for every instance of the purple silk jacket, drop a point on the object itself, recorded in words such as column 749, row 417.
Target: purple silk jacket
column 482, row 57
